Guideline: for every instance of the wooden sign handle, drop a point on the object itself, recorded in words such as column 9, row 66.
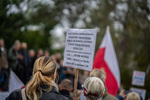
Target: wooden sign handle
column 75, row 84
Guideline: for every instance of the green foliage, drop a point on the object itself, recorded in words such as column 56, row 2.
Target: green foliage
column 34, row 42
column 10, row 24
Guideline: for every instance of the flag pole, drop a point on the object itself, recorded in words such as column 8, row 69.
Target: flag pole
column 75, row 84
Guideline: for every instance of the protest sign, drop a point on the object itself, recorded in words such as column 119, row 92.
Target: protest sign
column 79, row 51
column 141, row 92
column 138, row 78
column 79, row 48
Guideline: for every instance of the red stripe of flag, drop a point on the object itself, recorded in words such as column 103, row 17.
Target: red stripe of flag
column 107, row 60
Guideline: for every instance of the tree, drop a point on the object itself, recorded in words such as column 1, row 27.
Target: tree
column 11, row 21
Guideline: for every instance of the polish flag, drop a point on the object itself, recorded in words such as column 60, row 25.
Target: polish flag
column 14, row 82
column 106, row 58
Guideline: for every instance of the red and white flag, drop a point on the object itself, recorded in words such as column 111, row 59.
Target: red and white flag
column 106, row 58
column 14, row 82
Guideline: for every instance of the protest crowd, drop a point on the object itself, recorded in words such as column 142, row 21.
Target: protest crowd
column 32, row 67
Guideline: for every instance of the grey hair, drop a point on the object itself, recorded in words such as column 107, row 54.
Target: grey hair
column 133, row 96
column 16, row 42
column 94, row 85
column 100, row 73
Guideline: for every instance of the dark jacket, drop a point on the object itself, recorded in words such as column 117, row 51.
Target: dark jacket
column 12, row 59
column 52, row 95
column 24, row 61
column 3, row 58
column 120, row 97
column 66, row 94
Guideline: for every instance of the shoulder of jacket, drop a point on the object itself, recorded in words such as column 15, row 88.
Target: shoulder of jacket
column 62, row 97
column 14, row 95
column 55, row 95
column 109, row 97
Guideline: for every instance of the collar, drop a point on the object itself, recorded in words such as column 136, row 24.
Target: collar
column 64, row 92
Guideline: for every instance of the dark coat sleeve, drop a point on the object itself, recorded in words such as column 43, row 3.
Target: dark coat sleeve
column 15, row 95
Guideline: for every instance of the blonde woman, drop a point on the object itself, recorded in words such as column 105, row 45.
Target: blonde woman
column 93, row 88
column 42, row 85
column 133, row 96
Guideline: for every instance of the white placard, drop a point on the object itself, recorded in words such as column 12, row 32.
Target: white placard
column 141, row 92
column 138, row 78
column 79, row 48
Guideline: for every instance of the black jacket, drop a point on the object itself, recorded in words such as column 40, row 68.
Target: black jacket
column 52, row 95
column 66, row 94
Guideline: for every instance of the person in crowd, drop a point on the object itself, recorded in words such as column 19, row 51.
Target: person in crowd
column 133, row 96
column 14, row 57
column 39, row 53
column 31, row 61
column 31, row 58
column 65, row 87
column 46, row 53
column 93, row 88
column 58, row 58
column 4, row 71
column 3, row 56
column 69, row 73
column 42, row 86
column 24, row 63
column 121, row 95
column 24, row 53
column 61, row 73
column 100, row 73
column 83, row 77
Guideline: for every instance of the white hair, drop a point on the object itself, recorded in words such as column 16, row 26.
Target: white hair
column 93, row 88
column 100, row 73
column 133, row 96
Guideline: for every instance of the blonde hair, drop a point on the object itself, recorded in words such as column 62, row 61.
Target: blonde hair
column 133, row 96
column 44, row 69
column 100, row 73
column 93, row 88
